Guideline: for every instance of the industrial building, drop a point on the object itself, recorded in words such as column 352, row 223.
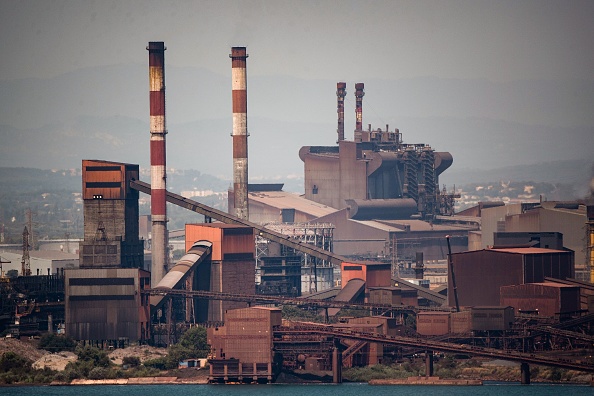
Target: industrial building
column 375, row 197
column 547, row 299
column 111, row 216
column 42, row 262
column 480, row 274
column 232, row 262
column 243, row 349
column 568, row 219
column 107, row 305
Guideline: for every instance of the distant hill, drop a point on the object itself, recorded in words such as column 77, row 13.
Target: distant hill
column 102, row 113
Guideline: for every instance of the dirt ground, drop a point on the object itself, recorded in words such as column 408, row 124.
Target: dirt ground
column 22, row 348
column 55, row 361
column 143, row 352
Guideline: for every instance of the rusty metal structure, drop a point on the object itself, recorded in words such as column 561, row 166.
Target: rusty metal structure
column 377, row 169
column 340, row 94
column 106, row 305
column 480, row 274
column 110, row 216
column 158, row 130
column 240, row 133
column 243, row 349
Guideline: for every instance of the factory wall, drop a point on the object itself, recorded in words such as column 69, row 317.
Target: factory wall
column 247, row 334
column 480, row 274
column 548, row 299
column 365, row 238
column 491, row 318
column 233, row 263
column 107, row 304
column 493, row 220
column 570, row 223
column 332, row 179
column 110, row 210
column 433, row 323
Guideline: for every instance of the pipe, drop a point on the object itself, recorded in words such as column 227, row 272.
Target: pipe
column 340, row 94
column 159, row 243
column 240, row 134
column 359, row 93
column 451, row 268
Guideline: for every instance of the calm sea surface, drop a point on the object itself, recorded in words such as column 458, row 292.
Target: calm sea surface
column 489, row 389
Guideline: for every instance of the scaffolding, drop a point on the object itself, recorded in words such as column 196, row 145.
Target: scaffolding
column 318, row 234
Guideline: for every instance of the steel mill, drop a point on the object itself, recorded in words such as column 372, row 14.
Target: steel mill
column 373, row 234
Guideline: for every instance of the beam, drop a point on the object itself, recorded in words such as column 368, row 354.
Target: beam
column 231, row 219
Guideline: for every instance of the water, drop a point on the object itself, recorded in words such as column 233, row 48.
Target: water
column 488, row 389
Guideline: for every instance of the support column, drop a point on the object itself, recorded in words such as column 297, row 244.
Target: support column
column 336, row 365
column 428, row 364
column 525, row 373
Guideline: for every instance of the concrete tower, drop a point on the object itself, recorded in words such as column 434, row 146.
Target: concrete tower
column 158, row 130
column 240, row 134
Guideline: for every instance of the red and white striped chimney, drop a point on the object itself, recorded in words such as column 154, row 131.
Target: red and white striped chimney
column 240, row 134
column 340, row 94
column 359, row 93
column 159, row 243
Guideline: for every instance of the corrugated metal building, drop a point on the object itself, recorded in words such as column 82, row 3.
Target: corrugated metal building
column 494, row 318
column 480, row 274
column 284, row 207
column 233, row 264
column 403, row 237
column 563, row 218
column 393, row 295
column 460, row 322
column 111, row 216
column 548, row 298
column 243, row 347
column 433, row 323
column 107, row 304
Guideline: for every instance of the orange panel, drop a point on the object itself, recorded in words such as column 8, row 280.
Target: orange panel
column 352, row 271
column 197, row 232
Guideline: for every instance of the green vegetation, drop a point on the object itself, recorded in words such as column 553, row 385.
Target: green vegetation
column 56, row 343
column 192, row 345
column 16, row 369
column 291, row 312
column 450, row 368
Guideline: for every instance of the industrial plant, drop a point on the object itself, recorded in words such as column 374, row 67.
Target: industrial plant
column 373, row 248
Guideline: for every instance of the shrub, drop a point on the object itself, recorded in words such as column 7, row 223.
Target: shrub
column 56, row 343
column 10, row 361
column 98, row 373
column 158, row 363
column 131, row 361
column 94, row 355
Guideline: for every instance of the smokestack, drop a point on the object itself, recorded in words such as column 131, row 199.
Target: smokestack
column 340, row 94
column 240, row 134
column 359, row 93
column 158, row 176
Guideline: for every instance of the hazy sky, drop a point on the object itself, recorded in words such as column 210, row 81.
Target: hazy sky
column 339, row 39
column 463, row 76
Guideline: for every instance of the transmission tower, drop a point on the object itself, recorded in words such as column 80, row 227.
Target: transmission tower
column 26, row 261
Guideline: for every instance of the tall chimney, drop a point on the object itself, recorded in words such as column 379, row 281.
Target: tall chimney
column 340, row 94
column 240, row 134
column 159, row 244
column 359, row 93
